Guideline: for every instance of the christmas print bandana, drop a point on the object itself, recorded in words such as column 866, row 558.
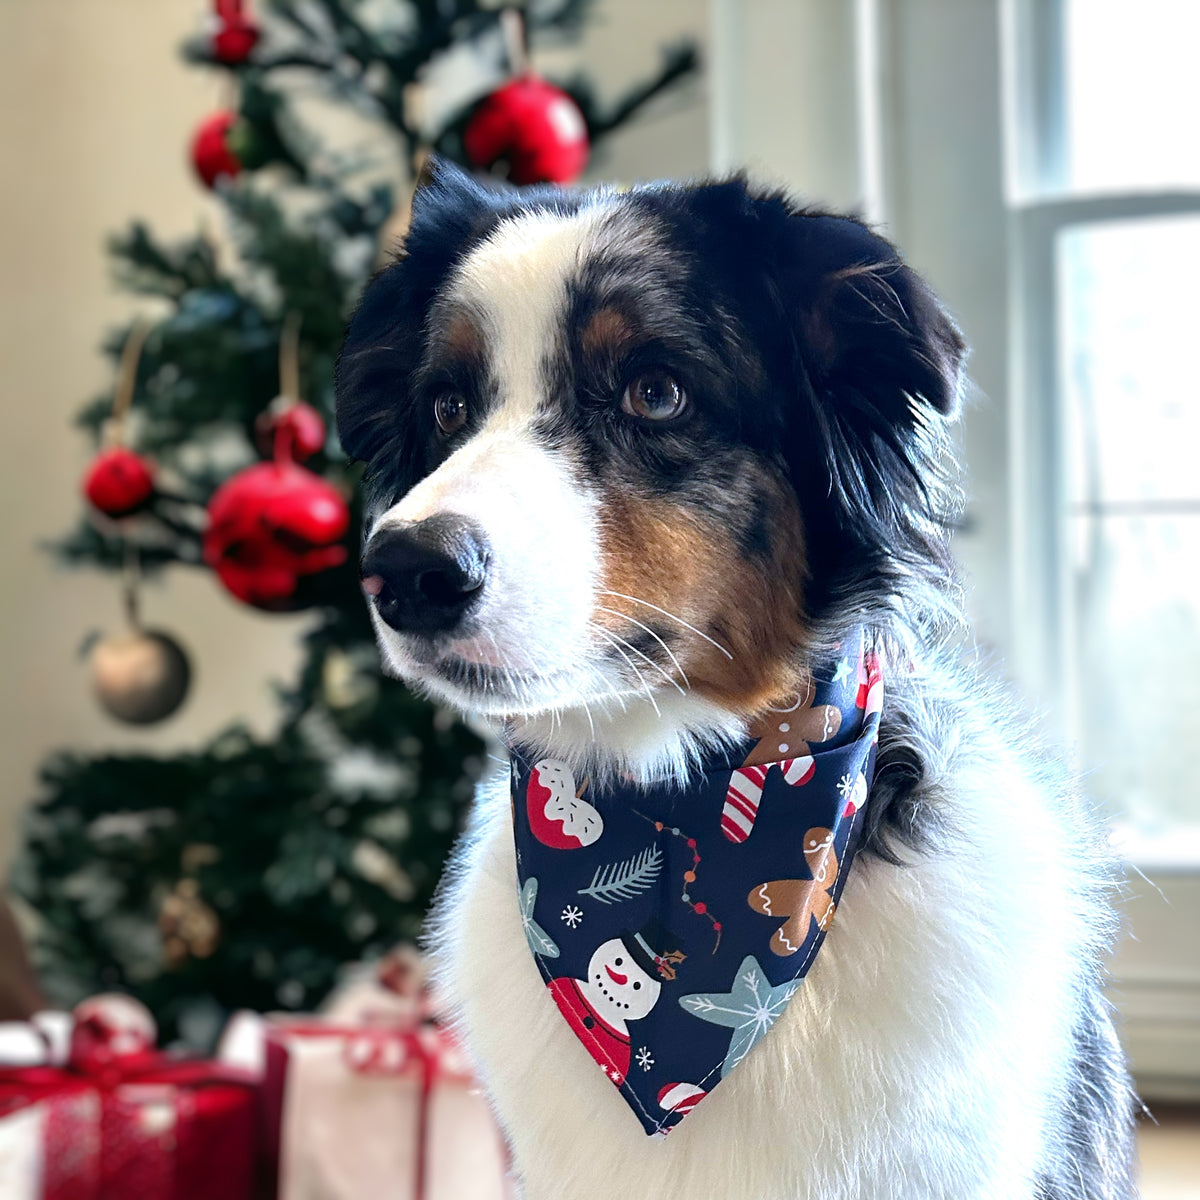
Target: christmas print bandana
column 673, row 927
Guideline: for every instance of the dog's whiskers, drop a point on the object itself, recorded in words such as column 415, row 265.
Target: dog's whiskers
column 671, row 616
column 643, row 655
column 646, row 658
column 666, row 648
column 632, row 666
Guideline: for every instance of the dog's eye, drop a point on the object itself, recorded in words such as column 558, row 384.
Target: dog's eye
column 450, row 412
column 654, row 396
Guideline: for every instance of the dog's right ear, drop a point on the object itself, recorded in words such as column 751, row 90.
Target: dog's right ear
column 451, row 213
column 443, row 186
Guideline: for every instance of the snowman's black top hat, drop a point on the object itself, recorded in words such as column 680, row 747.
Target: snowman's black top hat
column 654, row 948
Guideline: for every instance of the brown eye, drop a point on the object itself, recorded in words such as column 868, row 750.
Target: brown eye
column 654, row 396
column 450, row 412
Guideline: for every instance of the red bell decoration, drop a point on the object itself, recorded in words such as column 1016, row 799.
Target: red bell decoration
column 297, row 425
column 211, row 153
column 236, row 33
column 275, row 525
column 118, row 482
column 536, row 128
column 271, row 526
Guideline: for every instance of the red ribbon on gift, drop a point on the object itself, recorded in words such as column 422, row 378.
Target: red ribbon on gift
column 143, row 1125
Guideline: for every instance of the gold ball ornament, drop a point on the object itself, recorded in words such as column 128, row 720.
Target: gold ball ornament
column 188, row 925
column 140, row 677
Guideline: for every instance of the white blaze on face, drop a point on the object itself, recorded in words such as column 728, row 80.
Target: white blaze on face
column 539, row 519
column 617, row 987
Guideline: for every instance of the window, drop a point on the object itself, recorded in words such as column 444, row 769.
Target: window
column 1104, row 189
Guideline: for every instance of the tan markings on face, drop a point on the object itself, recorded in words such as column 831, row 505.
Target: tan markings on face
column 657, row 552
column 460, row 337
column 606, row 333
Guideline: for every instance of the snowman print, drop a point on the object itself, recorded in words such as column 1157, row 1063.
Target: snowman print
column 625, row 977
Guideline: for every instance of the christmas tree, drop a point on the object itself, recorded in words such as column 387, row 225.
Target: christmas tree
column 248, row 872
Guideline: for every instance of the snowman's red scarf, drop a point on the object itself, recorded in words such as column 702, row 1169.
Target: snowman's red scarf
column 672, row 927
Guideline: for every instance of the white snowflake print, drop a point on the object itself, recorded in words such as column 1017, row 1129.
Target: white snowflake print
column 645, row 1059
column 572, row 916
column 845, row 786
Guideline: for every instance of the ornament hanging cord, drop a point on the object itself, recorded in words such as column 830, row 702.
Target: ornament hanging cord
column 516, row 42
column 289, row 378
column 131, row 577
column 131, row 355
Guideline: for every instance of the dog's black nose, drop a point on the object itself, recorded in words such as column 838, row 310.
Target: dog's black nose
column 424, row 577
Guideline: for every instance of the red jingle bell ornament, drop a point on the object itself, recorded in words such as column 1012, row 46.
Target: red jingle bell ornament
column 269, row 527
column 118, row 482
column 536, row 128
column 299, row 425
column 211, row 153
column 274, row 525
column 236, row 34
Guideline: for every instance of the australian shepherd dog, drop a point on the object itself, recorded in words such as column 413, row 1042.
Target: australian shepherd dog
column 636, row 460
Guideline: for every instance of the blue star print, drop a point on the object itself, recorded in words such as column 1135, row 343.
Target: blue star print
column 749, row 1008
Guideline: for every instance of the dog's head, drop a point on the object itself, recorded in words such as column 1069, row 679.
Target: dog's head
column 640, row 448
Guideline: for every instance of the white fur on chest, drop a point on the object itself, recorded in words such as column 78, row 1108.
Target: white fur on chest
column 914, row 1061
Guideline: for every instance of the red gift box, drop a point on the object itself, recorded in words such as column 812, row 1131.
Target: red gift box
column 376, row 1109
column 143, row 1126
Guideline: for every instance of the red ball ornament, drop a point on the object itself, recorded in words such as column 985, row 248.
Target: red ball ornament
column 233, row 42
column 211, row 155
column 269, row 528
column 118, row 482
column 533, row 126
column 236, row 34
column 292, row 427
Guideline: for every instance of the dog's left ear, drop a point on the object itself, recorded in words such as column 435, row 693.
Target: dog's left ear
column 868, row 327
column 868, row 369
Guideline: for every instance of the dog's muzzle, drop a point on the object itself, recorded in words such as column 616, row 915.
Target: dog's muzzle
column 425, row 577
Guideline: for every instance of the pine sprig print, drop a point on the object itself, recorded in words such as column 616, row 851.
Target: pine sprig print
column 618, row 881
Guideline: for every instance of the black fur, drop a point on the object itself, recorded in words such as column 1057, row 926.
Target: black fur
column 811, row 350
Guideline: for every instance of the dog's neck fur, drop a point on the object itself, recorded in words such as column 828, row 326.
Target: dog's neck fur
column 645, row 737
column 664, row 740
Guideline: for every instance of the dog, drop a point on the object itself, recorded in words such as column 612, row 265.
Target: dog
column 636, row 462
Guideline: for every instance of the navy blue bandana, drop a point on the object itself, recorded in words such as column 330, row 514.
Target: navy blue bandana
column 673, row 927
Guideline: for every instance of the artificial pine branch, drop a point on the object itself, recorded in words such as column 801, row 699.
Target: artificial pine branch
column 678, row 61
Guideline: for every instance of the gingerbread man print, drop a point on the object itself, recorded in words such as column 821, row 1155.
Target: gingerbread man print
column 800, row 901
column 785, row 734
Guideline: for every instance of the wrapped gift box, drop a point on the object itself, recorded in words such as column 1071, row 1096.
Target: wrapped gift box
column 374, row 1109
column 138, row 1126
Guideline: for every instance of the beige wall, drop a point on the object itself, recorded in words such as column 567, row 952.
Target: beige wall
column 95, row 114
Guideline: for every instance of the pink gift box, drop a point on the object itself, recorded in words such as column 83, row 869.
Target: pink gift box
column 376, row 1109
